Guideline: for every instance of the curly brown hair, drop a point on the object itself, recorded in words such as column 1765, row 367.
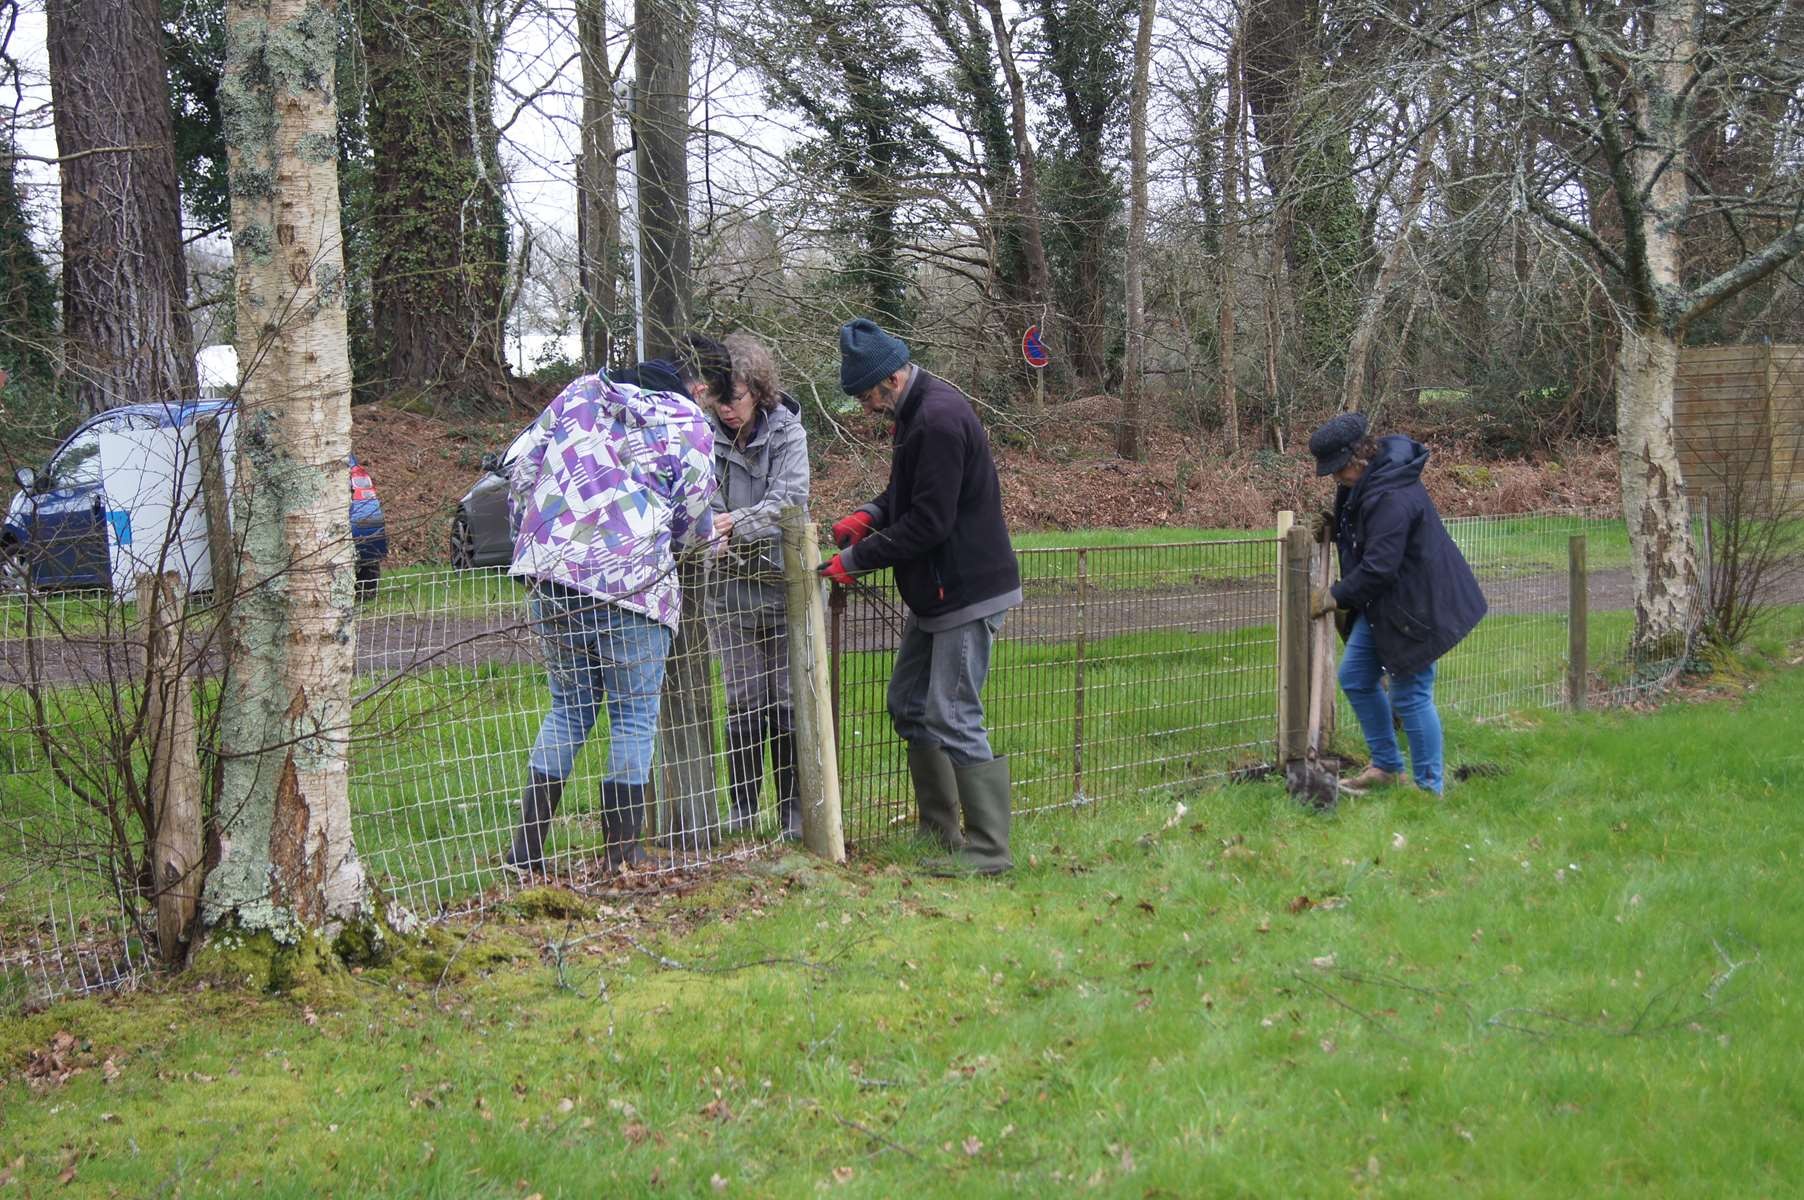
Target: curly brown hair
column 753, row 363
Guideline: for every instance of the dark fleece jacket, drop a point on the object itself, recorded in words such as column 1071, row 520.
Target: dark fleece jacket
column 1398, row 565
column 939, row 522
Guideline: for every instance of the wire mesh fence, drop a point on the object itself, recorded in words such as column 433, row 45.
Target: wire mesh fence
column 1131, row 667
column 1126, row 667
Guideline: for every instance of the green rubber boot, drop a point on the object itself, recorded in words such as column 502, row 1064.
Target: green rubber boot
column 936, row 794
column 983, row 792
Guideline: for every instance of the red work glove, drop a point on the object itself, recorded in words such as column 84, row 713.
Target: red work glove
column 849, row 531
column 836, row 571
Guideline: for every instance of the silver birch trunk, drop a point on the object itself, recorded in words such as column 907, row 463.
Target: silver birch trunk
column 1134, row 368
column 287, row 861
column 1662, row 558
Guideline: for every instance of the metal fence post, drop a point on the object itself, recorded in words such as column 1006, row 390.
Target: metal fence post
column 811, row 687
column 1578, row 645
column 1293, row 645
column 1077, row 744
column 836, row 608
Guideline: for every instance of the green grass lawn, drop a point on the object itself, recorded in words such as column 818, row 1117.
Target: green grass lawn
column 1578, row 978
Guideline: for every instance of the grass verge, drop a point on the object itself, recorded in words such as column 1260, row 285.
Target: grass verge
column 1578, row 977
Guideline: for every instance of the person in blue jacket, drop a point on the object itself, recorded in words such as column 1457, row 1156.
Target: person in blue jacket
column 1409, row 593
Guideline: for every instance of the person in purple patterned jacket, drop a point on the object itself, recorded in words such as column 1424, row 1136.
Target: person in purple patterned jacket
column 614, row 483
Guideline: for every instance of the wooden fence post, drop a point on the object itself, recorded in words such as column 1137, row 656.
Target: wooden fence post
column 1578, row 607
column 1293, row 644
column 686, row 725
column 222, row 550
column 811, row 689
column 168, row 727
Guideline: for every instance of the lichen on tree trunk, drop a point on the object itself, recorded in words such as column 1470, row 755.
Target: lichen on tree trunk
column 287, row 861
column 1662, row 558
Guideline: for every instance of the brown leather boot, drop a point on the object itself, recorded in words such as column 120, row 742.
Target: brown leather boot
column 1370, row 779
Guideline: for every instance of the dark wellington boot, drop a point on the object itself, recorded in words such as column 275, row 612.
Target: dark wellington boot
column 783, row 764
column 622, row 821
column 936, row 794
column 537, row 804
column 745, row 771
column 983, row 793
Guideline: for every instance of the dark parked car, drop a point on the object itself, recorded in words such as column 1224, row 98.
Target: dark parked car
column 481, row 533
column 121, row 495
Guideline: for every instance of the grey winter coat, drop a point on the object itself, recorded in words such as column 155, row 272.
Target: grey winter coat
column 756, row 484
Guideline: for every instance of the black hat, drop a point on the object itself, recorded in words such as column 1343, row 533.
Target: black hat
column 1333, row 443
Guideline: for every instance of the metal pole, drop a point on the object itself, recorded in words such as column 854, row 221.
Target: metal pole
column 1077, row 743
column 1578, row 642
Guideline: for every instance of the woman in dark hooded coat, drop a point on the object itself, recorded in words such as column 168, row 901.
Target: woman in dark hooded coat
column 1409, row 592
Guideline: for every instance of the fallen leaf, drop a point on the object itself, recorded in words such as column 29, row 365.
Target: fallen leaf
column 308, row 1016
column 843, row 1174
column 719, row 1182
column 972, row 1147
column 717, row 1110
column 1301, row 904
column 1324, row 962
column 1398, row 841
column 67, row 1176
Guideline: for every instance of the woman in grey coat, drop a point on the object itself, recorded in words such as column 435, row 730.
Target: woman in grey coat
column 761, row 464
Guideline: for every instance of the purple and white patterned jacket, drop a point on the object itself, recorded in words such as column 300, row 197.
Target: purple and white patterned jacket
column 613, row 482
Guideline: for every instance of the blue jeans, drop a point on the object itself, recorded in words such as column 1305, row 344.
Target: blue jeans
column 1411, row 697
column 593, row 650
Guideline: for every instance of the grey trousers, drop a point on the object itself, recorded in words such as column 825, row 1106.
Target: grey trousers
column 754, row 662
column 936, row 690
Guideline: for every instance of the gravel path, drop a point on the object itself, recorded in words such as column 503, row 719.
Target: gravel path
column 392, row 644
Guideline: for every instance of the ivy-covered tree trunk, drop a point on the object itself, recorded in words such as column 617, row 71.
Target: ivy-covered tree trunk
column 125, row 286
column 1317, row 218
column 287, row 861
column 27, row 295
column 1086, row 43
column 437, row 223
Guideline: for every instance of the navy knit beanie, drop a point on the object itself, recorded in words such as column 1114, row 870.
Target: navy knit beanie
column 1333, row 443
column 867, row 356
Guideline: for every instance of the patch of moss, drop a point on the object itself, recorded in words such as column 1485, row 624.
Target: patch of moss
column 1471, row 477
column 554, row 903
column 256, row 960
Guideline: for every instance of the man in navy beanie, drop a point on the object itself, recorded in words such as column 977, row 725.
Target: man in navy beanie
column 939, row 525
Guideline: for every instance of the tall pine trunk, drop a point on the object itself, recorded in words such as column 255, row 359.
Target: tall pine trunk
column 287, row 862
column 126, row 329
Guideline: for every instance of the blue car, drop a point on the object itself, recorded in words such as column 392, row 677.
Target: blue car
column 121, row 496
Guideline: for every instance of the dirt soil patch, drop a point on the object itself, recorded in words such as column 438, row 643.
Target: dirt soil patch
column 1058, row 473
